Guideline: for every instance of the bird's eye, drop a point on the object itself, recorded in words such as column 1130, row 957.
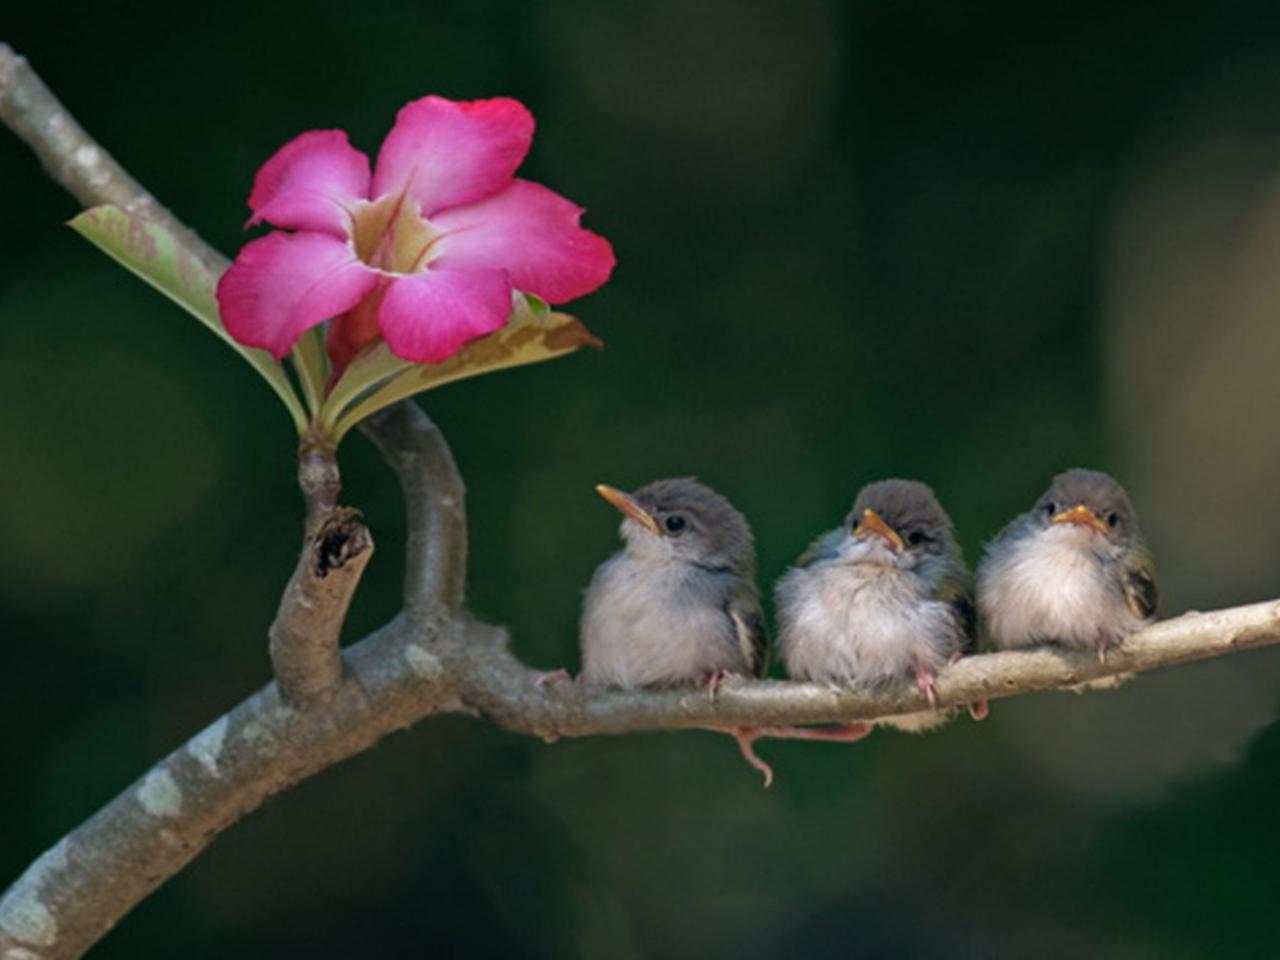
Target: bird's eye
column 1051, row 508
column 915, row 538
column 675, row 523
column 1113, row 519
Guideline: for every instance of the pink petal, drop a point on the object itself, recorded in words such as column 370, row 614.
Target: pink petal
column 309, row 182
column 427, row 317
column 447, row 152
column 285, row 283
column 533, row 234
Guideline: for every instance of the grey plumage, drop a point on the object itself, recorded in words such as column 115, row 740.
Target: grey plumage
column 1072, row 570
column 881, row 600
column 679, row 603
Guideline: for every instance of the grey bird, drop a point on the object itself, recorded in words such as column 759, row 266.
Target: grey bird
column 880, row 601
column 679, row 603
column 1073, row 570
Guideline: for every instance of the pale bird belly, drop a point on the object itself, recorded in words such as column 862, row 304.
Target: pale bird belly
column 865, row 630
column 629, row 640
column 1047, row 592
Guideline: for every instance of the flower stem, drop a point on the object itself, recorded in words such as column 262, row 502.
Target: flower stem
column 318, row 477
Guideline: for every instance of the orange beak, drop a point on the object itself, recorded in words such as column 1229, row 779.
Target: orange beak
column 628, row 506
column 1081, row 516
column 872, row 524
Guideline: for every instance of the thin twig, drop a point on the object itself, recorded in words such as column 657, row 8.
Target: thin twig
column 75, row 160
column 435, row 506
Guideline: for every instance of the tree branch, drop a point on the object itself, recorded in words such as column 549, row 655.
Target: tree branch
column 431, row 659
column 305, row 634
column 93, row 876
column 435, row 507
column 75, row 160
column 497, row 687
column 81, row 887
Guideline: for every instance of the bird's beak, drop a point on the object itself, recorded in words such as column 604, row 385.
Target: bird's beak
column 1081, row 516
column 627, row 504
column 872, row 524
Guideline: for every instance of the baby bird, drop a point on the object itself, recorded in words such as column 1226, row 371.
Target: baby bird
column 882, row 600
column 1073, row 570
column 678, row 604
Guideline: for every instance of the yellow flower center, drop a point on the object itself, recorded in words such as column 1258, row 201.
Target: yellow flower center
column 390, row 234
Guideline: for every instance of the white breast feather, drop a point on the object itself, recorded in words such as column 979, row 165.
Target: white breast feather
column 861, row 624
column 643, row 626
column 1050, row 586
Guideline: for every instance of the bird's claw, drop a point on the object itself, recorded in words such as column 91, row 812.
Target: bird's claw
column 553, row 676
column 924, row 682
column 715, row 680
column 1105, row 643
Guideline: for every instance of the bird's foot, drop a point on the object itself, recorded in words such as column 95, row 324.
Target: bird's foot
column 1105, row 643
column 924, row 682
column 747, row 736
column 553, row 676
column 715, row 679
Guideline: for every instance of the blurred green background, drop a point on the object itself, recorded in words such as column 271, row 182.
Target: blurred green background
column 973, row 244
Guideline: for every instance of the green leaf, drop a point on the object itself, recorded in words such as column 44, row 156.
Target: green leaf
column 152, row 252
column 310, row 361
column 371, row 368
column 533, row 334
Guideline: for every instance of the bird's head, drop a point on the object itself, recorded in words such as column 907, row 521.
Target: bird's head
column 898, row 523
column 1086, row 504
column 683, row 520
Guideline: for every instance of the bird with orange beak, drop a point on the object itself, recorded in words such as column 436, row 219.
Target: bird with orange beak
column 1073, row 570
column 882, row 600
column 678, row 604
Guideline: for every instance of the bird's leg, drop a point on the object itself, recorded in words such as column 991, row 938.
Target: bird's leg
column 844, row 733
column 1104, row 642
column 924, row 682
column 747, row 736
column 715, row 679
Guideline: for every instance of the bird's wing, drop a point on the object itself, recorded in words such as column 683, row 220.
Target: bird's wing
column 957, row 591
column 826, row 545
column 1139, row 581
column 743, row 608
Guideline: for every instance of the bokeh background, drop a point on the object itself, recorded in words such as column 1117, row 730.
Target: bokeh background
column 970, row 243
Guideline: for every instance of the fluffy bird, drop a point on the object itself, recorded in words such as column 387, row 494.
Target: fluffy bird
column 678, row 604
column 880, row 601
column 1073, row 570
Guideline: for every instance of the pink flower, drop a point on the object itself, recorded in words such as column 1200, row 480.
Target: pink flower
column 425, row 251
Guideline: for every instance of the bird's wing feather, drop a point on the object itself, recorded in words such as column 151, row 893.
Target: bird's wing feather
column 826, row 545
column 957, row 590
column 1140, row 582
column 743, row 608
